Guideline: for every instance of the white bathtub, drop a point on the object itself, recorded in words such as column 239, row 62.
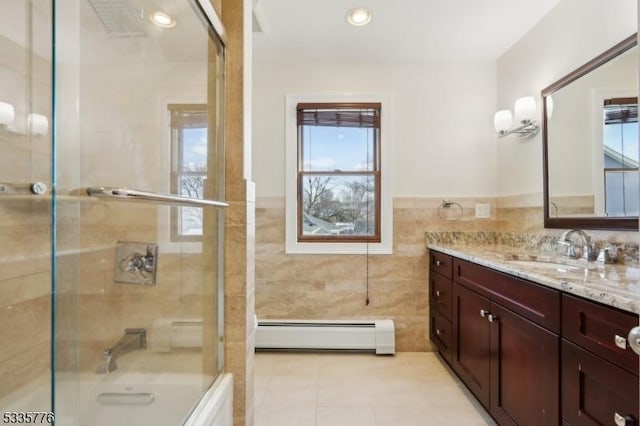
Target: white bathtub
column 130, row 399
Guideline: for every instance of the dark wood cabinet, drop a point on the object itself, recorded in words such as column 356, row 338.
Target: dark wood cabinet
column 503, row 341
column 512, row 346
column 596, row 391
column 441, row 303
column 440, row 294
column 533, row 355
column 471, row 357
column 441, row 263
column 524, row 371
column 599, row 370
column 441, row 334
column 508, row 362
column 535, row 302
column 600, row 329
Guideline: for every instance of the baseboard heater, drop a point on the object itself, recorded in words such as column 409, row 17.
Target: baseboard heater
column 338, row 335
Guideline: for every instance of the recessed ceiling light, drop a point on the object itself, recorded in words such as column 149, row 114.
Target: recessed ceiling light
column 161, row 19
column 359, row 16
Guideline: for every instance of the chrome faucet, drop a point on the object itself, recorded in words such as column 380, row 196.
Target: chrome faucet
column 134, row 338
column 586, row 250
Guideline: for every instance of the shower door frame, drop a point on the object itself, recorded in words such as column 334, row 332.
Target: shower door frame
column 215, row 29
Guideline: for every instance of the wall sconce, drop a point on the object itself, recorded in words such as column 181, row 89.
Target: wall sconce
column 525, row 112
column 37, row 124
column 7, row 114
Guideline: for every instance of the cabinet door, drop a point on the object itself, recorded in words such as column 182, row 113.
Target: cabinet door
column 471, row 343
column 595, row 391
column 524, row 371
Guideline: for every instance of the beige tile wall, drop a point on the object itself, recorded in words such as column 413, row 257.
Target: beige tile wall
column 240, row 224
column 93, row 309
column 335, row 286
column 25, row 310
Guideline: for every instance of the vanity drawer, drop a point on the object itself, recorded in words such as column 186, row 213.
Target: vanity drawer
column 440, row 294
column 595, row 391
column 441, row 263
column 533, row 301
column 440, row 331
column 600, row 329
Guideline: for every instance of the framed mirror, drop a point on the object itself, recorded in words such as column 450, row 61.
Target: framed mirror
column 590, row 143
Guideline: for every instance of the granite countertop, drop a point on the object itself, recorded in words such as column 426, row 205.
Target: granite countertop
column 616, row 285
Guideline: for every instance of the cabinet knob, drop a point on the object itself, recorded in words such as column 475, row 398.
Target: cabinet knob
column 623, row 420
column 492, row 318
column 483, row 313
column 438, row 293
column 438, row 263
column 620, row 341
column 634, row 339
column 438, row 332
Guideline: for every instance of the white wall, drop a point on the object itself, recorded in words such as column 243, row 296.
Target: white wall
column 443, row 143
column 571, row 34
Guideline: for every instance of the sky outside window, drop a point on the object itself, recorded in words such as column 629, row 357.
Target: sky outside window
column 194, row 151
column 328, row 148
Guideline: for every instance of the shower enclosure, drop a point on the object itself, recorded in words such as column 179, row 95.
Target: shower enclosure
column 111, row 209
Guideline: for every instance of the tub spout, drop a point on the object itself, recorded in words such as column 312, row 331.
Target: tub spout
column 134, row 338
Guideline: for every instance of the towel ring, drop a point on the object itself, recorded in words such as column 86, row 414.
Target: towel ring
column 446, row 204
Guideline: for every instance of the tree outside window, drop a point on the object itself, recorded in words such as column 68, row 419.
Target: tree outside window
column 188, row 167
column 338, row 172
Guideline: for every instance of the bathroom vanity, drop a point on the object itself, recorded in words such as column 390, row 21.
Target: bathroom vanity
column 538, row 340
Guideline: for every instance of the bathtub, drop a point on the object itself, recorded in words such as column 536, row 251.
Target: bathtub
column 130, row 399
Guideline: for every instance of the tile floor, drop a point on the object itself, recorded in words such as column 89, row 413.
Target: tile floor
column 408, row 389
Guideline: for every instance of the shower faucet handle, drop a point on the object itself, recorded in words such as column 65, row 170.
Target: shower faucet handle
column 137, row 263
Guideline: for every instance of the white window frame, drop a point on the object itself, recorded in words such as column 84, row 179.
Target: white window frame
column 385, row 246
column 598, row 97
column 165, row 244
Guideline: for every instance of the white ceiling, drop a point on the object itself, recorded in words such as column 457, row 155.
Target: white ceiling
column 401, row 30
column 296, row 30
column 78, row 20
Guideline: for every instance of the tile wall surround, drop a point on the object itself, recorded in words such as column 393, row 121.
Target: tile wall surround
column 334, row 287
column 85, row 271
column 240, row 235
column 25, row 303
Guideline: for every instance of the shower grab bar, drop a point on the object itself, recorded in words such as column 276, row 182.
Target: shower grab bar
column 125, row 194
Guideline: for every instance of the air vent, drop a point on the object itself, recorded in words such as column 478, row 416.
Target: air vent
column 119, row 17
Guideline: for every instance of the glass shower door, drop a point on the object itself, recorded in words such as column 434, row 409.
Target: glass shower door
column 25, row 208
column 139, row 149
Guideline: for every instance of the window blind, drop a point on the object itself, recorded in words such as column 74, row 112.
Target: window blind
column 364, row 115
column 620, row 110
column 187, row 116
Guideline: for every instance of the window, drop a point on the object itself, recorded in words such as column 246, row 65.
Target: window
column 188, row 167
column 338, row 172
column 621, row 179
column 338, row 196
